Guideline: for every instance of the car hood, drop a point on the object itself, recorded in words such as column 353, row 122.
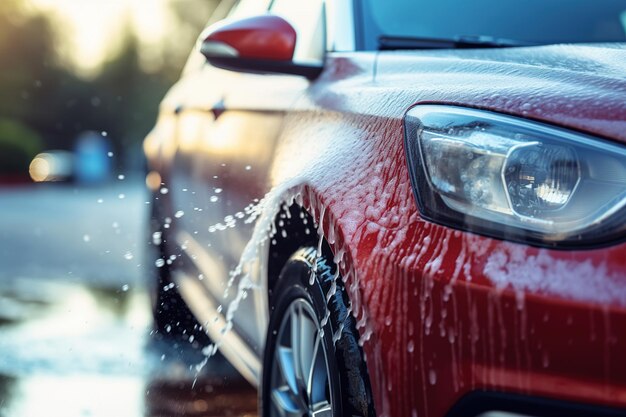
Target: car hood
column 582, row 87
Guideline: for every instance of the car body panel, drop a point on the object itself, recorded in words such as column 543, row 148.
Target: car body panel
column 213, row 151
column 441, row 312
column 577, row 86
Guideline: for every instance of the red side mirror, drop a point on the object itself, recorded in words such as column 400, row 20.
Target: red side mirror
column 261, row 44
column 261, row 37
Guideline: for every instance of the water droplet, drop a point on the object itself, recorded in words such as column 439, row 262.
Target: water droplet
column 432, row 377
column 179, row 214
column 125, row 287
column 388, row 321
column 128, row 256
column 121, row 177
column 248, row 167
column 159, row 263
column 214, row 199
column 121, row 196
column 218, row 190
column 110, row 154
column 164, row 190
column 100, row 201
column 410, row 346
column 86, row 238
column 105, row 134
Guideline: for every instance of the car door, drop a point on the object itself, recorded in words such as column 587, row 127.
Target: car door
column 226, row 131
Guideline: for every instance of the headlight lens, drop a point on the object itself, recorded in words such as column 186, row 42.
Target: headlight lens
column 541, row 179
column 515, row 179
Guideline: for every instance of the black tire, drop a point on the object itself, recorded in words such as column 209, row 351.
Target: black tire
column 348, row 388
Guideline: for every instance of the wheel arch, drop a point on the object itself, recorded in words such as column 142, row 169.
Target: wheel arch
column 305, row 219
column 295, row 228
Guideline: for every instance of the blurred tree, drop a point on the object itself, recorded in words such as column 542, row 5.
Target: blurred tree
column 44, row 96
column 36, row 90
column 27, row 51
column 126, row 98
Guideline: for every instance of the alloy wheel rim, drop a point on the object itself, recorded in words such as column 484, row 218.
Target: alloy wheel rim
column 300, row 381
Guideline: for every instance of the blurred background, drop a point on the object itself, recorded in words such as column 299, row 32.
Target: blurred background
column 80, row 85
column 74, row 68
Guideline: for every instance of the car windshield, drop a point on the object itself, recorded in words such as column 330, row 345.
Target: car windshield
column 528, row 21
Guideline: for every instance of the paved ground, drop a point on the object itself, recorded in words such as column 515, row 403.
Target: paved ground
column 74, row 314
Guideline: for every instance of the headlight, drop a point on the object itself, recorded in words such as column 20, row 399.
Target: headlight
column 515, row 179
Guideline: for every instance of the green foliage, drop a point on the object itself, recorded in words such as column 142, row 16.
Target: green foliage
column 18, row 146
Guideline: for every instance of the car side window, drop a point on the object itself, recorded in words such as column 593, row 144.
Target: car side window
column 309, row 20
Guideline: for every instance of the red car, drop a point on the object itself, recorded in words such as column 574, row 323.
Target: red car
column 401, row 208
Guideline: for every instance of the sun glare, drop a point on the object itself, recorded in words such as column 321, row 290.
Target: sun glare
column 92, row 28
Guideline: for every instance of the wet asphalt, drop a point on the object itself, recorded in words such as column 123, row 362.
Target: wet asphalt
column 75, row 325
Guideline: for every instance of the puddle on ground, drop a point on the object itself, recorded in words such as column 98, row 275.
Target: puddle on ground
column 73, row 350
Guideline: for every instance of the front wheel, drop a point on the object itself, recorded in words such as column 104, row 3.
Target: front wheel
column 313, row 365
